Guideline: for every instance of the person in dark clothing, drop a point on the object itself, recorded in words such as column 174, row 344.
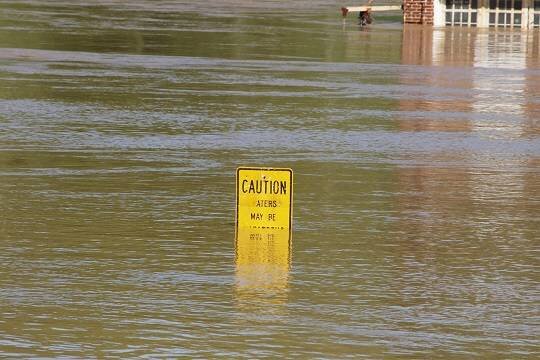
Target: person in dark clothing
column 365, row 17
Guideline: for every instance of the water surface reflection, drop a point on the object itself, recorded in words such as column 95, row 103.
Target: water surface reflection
column 263, row 261
column 498, row 103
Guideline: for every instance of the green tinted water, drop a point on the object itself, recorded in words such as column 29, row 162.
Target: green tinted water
column 416, row 158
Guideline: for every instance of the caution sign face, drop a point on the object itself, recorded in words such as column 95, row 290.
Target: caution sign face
column 264, row 198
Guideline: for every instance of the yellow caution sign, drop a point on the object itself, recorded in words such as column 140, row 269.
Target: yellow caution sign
column 264, row 199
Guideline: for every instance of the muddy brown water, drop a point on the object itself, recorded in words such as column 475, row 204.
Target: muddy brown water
column 416, row 157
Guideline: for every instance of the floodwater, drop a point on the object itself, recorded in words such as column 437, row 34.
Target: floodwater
column 416, row 159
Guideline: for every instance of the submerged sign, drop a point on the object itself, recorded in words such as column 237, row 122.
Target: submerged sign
column 264, row 198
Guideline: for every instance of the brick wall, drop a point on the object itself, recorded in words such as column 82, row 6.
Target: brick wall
column 418, row 12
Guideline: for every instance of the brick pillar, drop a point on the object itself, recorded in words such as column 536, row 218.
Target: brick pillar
column 418, row 12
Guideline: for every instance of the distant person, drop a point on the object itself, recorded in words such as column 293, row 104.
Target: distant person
column 365, row 17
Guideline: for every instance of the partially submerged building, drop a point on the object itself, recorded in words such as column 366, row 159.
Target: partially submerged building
column 524, row 14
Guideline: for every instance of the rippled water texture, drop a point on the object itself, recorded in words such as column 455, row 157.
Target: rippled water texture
column 416, row 158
